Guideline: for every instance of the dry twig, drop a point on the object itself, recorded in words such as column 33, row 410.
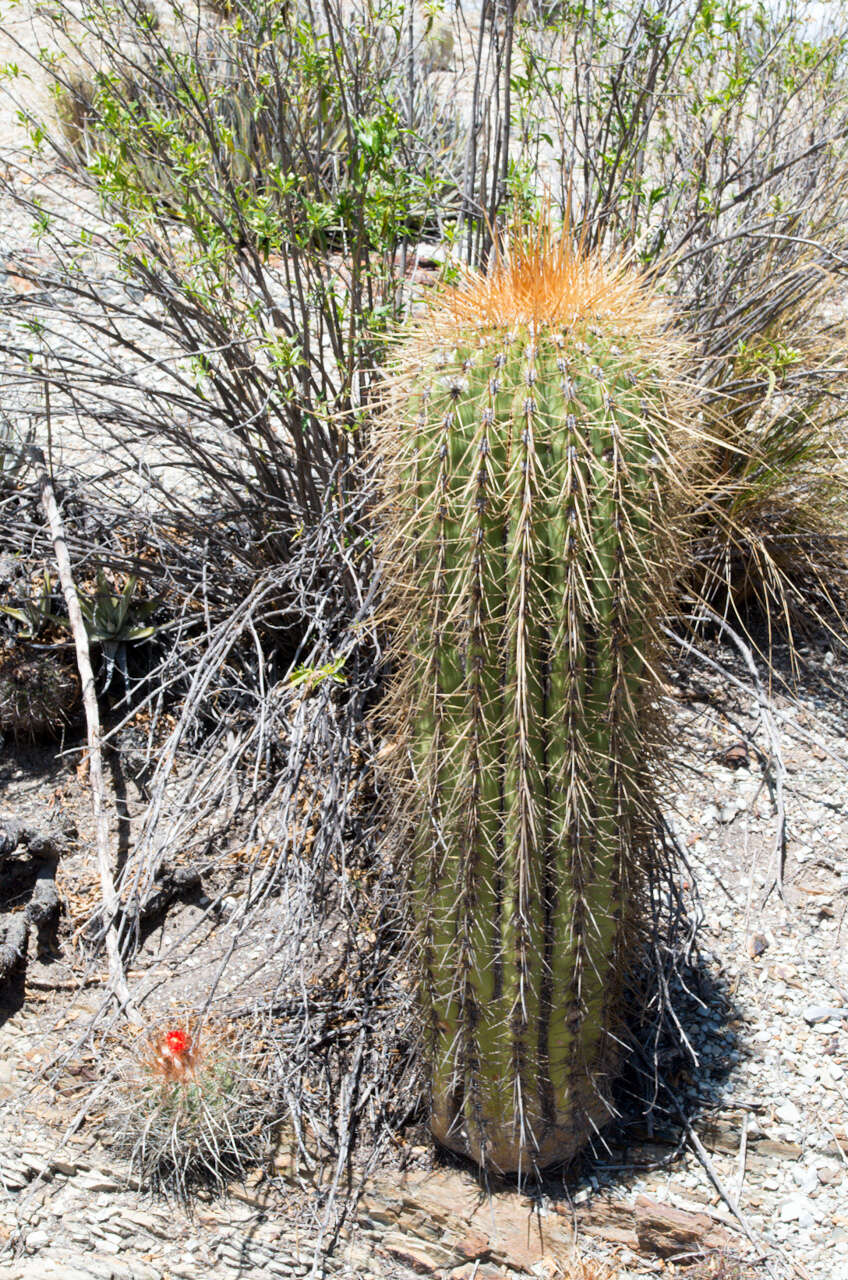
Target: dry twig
column 117, row 977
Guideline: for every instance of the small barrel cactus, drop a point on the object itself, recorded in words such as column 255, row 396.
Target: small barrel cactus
column 533, row 437
column 40, row 692
column 190, row 1111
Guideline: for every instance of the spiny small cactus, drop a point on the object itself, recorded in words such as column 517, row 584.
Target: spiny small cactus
column 40, row 693
column 190, row 1109
column 531, row 444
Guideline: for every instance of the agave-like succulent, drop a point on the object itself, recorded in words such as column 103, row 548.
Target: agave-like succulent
column 114, row 619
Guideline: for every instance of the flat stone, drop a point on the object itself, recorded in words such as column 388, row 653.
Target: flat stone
column 43, row 1269
column 799, row 1209
column 790, row 1209
column 97, row 1182
column 473, row 1272
column 815, row 1013
column 100, row 1267
column 788, row 1113
column 36, row 1164
column 429, row 1259
column 808, row 1180
column 146, row 1221
column 473, row 1245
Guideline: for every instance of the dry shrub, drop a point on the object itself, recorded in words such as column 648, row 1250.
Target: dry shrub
column 772, row 531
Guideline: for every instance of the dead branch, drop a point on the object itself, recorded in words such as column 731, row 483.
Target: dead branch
column 14, row 931
column 43, row 907
column 117, row 980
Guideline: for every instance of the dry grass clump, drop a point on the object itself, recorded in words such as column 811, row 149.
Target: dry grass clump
column 74, row 105
column 774, row 544
column 720, row 1266
column 581, row 1269
column 191, row 1108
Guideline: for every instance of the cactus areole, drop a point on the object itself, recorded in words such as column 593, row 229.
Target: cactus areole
column 529, row 445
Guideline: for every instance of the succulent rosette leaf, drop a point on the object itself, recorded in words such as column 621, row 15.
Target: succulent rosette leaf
column 535, row 432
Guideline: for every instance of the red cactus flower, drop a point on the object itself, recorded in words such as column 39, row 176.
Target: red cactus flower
column 176, row 1043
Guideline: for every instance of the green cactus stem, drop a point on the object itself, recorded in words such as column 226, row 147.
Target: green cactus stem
column 531, row 445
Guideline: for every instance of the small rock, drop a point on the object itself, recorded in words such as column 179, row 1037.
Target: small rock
column 815, row 1013
column 473, row 1245
column 757, row 944
column 792, row 1209
column 735, row 756
column 19, row 284
column 808, row 1180
column 10, row 837
column 788, row 1113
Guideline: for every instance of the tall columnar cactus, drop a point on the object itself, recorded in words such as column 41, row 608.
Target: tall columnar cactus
column 530, row 444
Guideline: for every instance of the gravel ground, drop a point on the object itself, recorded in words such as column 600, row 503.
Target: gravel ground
column 777, row 1063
